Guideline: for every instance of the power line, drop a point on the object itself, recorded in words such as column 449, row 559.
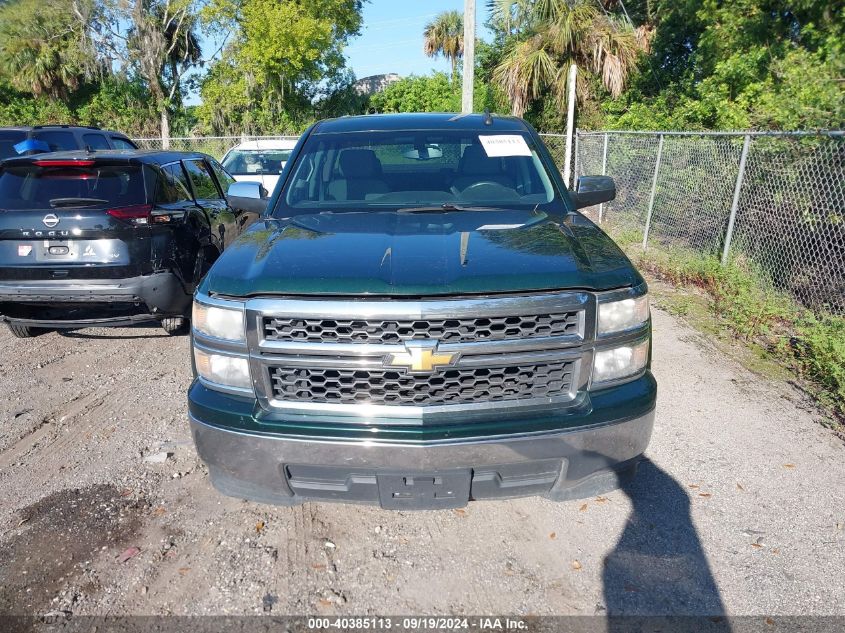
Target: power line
column 410, row 18
column 375, row 47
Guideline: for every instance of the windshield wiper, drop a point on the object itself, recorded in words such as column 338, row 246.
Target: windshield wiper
column 75, row 202
column 445, row 208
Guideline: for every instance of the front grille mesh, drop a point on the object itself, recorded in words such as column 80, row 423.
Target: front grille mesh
column 398, row 388
column 386, row 331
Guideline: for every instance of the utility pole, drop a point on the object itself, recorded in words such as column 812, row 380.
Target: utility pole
column 570, row 126
column 469, row 56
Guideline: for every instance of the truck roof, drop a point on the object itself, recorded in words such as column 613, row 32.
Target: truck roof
column 421, row 121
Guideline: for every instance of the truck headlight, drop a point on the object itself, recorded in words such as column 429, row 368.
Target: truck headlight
column 618, row 316
column 222, row 323
column 230, row 371
column 619, row 362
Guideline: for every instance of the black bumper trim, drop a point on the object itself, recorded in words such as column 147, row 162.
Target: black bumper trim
column 143, row 298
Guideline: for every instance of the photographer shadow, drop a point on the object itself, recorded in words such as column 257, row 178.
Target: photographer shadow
column 658, row 569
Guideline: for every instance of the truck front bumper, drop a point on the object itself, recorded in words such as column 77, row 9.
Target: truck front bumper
column 595, row 451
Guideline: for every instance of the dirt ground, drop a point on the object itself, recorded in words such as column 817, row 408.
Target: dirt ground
column 739, row 509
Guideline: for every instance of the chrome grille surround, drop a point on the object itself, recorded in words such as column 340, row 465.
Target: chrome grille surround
column 560, row 363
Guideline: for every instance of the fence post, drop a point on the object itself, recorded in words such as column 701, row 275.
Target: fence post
column 575, row 170
column 603, row 173
column 735, row 204
column 653, row 191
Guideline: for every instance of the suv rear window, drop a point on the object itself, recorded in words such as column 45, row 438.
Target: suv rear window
column 122, row 143
column 173, row 185
column 57, row 140
column 33, row 187
column 95, row 141
column 8, row 140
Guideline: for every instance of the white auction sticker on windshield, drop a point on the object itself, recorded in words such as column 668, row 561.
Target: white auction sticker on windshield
column 505, row 145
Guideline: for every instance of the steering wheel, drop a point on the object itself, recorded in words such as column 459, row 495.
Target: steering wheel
column 484, row 183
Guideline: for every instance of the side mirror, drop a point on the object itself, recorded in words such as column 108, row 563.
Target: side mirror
column 247, row 196
column 593, row 190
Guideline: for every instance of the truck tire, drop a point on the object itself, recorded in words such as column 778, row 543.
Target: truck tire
column 175, row 326
column 25, row 331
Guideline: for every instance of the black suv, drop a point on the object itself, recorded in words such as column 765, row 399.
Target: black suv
column 22, row 141
column 109, row 238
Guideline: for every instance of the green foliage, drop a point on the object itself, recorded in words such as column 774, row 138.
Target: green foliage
column 430, row 93
column 119, row 104
column 743, row 64
column 541, row 40
column 820, row 349
column 268, row 77
column 434, row 93
column 812, row 344
column 18, row 108
column 42, row 47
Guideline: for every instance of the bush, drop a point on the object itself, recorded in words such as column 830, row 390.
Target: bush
column 813, row 345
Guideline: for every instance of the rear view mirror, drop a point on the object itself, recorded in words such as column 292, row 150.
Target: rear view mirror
column 247, row 196
column 426, row 152
column 593, row 190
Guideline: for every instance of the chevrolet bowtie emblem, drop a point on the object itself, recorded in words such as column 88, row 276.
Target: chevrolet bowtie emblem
column 420, row 357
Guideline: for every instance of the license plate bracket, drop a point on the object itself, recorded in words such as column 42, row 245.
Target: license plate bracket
column 424, row 490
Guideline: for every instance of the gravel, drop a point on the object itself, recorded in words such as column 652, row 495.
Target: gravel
column 740, row 507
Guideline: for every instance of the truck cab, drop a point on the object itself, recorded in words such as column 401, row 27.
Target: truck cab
column 421, row 317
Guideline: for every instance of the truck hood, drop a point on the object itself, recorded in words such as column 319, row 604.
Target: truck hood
column 418, row 254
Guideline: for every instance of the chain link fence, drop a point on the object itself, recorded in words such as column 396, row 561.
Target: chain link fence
column 775, row 200
column 215, row 146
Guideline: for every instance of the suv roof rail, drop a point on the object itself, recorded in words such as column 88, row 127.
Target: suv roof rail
column 63, row 125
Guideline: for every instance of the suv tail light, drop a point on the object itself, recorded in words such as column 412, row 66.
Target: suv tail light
column 136, row 213
column 63, row 163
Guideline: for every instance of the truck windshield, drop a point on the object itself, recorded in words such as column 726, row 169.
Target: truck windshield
column 247, row 162
column 417, row 170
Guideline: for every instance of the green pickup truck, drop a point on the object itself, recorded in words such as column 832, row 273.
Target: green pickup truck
column 419, row 319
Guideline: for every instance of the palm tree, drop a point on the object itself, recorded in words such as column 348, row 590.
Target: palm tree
column 41, row 49
column 444, row 35
column 549, row 36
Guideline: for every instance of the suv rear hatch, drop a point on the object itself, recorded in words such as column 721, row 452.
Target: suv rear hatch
column 73, row 219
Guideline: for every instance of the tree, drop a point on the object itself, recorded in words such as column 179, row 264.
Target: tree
column 281, row 53
column 43, row 48
column 430, row 93
column 544, row 38
column 444, row 35
column 163, row 44
column 749, row 63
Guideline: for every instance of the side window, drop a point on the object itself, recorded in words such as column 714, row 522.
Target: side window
column 172, row 185
column 203, row 181
column 57, row 139
column 122, row 143
column 223, row 177
column 95, row 141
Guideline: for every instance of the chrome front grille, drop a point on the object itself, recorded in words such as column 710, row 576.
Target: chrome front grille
column 456, row 330
column 407, row 358
column 442, row 387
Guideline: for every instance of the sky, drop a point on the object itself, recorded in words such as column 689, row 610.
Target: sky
column 391, row 39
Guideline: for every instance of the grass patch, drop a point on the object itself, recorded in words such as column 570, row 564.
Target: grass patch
column 770, row 323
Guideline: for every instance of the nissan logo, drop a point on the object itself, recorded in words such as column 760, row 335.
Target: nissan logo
column 50, row 220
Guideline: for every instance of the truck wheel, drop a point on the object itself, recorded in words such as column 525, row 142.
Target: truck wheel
column 25, row 331
column 175, row 325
